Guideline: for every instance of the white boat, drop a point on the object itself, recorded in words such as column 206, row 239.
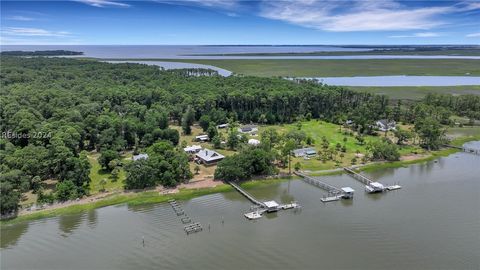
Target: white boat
column 394, row 187
column 253, row 215
column 290, row 205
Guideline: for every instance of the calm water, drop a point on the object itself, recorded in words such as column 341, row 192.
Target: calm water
column 402, row 80
column 183, row 52
column 178, row 65
column 432, row 223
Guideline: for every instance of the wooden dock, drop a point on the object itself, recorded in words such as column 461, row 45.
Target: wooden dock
column 316, row 182
column 186, row 220
column 469, row 150
column 370, row 185
column 360, row 177
column 247, row 195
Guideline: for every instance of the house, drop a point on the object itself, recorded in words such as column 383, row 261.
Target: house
column 208, row 157
column 304, row 152
column 222, row 126
column 248, row 129
column 192, row 149
column 140, row 156
column 201, row 138
column 385, row 125
column 253, row 142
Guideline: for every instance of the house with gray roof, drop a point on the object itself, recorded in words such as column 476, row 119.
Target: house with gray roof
column 385, row 125
column 305, row 152
column 208, row 157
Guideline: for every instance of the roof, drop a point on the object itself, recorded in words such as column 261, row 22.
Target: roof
column 201, row 136
column 347, row 189
column 140, row 156
column 192, row 148
column 222, row 126
column 271, row 204
column 386, row 122
column 209, row 155
column 253, row 142
column 304, row 150
column 376, row 185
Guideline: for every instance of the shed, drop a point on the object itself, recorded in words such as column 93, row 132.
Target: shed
column 201, row 138
column 192, row 149
column 140, row 156
column 304, row 152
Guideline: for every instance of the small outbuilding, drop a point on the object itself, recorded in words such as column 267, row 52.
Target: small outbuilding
column 201, row 138
column 248, row 129
column 305, row 152
column 385, row 125
column 192, row 149
column 139, row 156
column 222, row 126
column 347, row 192
column 208, row 157
column 253, row 142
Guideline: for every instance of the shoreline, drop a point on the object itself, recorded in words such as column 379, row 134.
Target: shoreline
column 184, row 192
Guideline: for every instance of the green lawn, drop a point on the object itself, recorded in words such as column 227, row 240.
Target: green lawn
column 97, row 174
column 342, row 67
column 318, row 129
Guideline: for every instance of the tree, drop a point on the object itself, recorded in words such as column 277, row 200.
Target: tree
column 204, row 122
column 103, row 182
column 217, row 142
column 9, row 199
column 196, row 169
column 212, row 130
column 233, row 138
column 106, row 157
column 249, row 162
column 383, row 150
column 115, row 173
column 66, row 190
column 187, row 121
column 402, row 135
column 297, row 166
column 430, row 132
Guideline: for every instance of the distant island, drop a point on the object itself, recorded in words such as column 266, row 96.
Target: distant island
column 372, row 50
column 40, row 53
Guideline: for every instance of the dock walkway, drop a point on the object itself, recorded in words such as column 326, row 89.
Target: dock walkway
column 360, row 177
column 247, row 195
column 316, row 182
column 469, row 150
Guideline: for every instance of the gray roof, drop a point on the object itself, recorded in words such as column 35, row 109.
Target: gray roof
column 209, row 155
column 304, row 150
column 140, row 156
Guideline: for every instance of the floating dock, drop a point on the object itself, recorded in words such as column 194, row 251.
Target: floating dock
column 334, row 193
column 262, row 207
column 370, row 185
column 193, row 228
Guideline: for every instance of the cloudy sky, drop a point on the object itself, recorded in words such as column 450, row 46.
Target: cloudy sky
column 173, row 22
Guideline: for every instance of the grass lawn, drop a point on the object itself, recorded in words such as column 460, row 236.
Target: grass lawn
column 342, row 67
column 97, row 174
column 318, row 129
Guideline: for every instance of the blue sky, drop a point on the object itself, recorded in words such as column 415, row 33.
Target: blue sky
column 169, row 22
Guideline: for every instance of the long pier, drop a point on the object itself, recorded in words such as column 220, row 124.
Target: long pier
column 360, row 177
column 316, row 182
column 247, row 195
column 465, row 149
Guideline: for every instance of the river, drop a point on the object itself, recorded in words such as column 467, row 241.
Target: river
column 433, row 222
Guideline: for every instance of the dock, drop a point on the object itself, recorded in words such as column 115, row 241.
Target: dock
column 262, row 207
column 469, row 150
column 334, row 193
column 370, row 185
column 189, row 226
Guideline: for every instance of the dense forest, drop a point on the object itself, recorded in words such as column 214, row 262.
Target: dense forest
column 53, row 110
column 40, row 53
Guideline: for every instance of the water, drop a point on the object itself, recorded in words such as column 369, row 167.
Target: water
column 432, row 223
column 185, row 51
column 178, row 65
column 401, row 80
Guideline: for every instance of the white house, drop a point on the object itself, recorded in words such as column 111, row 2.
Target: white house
column 208, row 157
column 302, row 152
column 385, row 125
column 140, row 156
column 192, row 149
column 253, row 142
column 248, row 129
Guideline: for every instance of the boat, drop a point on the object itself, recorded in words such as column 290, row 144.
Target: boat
column 253, row 215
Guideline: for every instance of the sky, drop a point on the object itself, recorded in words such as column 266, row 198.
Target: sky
column 235, row 22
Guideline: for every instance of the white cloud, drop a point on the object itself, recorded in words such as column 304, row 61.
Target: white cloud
column 221, row 4
column 20, row 18
column 103, row 3
column 418, row 35
column 366, row 15
column 22, row 31
column 473, row 35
